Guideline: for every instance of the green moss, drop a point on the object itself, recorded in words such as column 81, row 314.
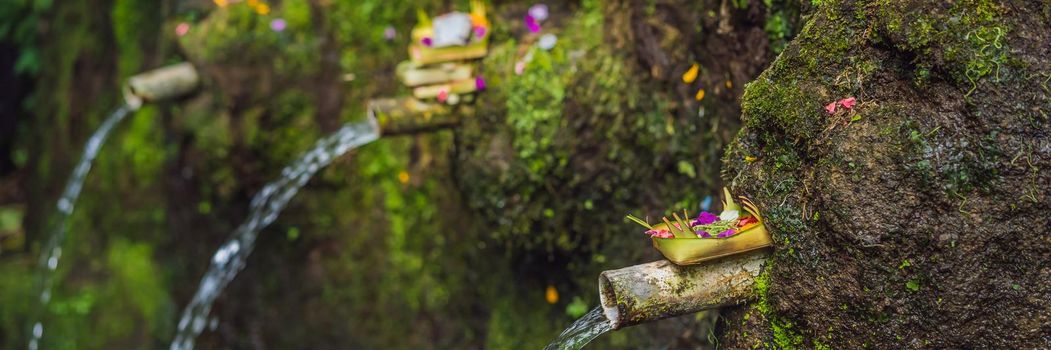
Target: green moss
column 792, row 105
column 237, row 35
column 135, row 287
column 135, row 24
column 569, row 101
column 141, row 144
column 534, row 116
column 782, row 333
column 966, row 39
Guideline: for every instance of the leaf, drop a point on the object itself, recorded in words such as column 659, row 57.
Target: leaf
column 728, row 201
column 28, row 62
column 855, row 118
column 912, row 286
column 687, row 169
column 576, row 308
column 639, row 221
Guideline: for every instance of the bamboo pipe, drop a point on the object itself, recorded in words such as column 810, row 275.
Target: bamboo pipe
column 160, row 84
column 661, row 289
column 400, row 116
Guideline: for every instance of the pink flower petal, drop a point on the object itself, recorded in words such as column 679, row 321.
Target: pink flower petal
column 831, row 108
column 659, row 233
column 182, row 29
column 848, row 103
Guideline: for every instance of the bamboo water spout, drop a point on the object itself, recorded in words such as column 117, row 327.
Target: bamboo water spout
column 400, row 116
column 661, row 289
column 160, row 84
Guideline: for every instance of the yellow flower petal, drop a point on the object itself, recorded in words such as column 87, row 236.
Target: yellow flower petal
column 403, row 177
column 700, row 95
column 691, row 74
column 262, row 9
column 220, row 3
column 729, row 84
column 749, row 159
column 551, row 295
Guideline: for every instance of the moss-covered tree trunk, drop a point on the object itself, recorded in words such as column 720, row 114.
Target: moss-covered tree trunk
column 918, row 217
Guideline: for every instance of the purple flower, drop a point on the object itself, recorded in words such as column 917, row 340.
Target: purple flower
column 703, row 234
column 479, row 31
column 278, row 25
column 479, row 84
column 389, row 33
column 426, row 42
column 727, row 233
column 704, row 218
column 532, row 24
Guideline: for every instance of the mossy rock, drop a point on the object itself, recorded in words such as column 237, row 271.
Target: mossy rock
column 603, row 124
column 917, row 218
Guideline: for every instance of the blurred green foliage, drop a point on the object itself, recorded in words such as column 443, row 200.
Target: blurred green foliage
column 583, row 131
column 18, row 26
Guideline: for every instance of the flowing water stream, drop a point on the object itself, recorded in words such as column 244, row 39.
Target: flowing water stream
column 52, row 250
column 581, row 332
column 265, row 206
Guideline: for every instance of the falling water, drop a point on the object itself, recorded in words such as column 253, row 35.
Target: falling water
column 265, row 206
column 581, row 332
column 52, row 250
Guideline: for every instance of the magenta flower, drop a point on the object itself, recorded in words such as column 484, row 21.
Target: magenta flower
column 704, row 218
column 532, row 24
column 727, row 233
column 479, row 31
column 704, row 234
column 426, row 42
column 479, row 84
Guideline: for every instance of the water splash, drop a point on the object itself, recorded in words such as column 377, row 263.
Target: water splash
column 52, row 250
column 581, row 332
column 229, row 259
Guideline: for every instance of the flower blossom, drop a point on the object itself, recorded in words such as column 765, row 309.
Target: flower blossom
column 704, row 218
column 660, row 233
column 532, row 24
column 747, row 221
column 727, row 233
